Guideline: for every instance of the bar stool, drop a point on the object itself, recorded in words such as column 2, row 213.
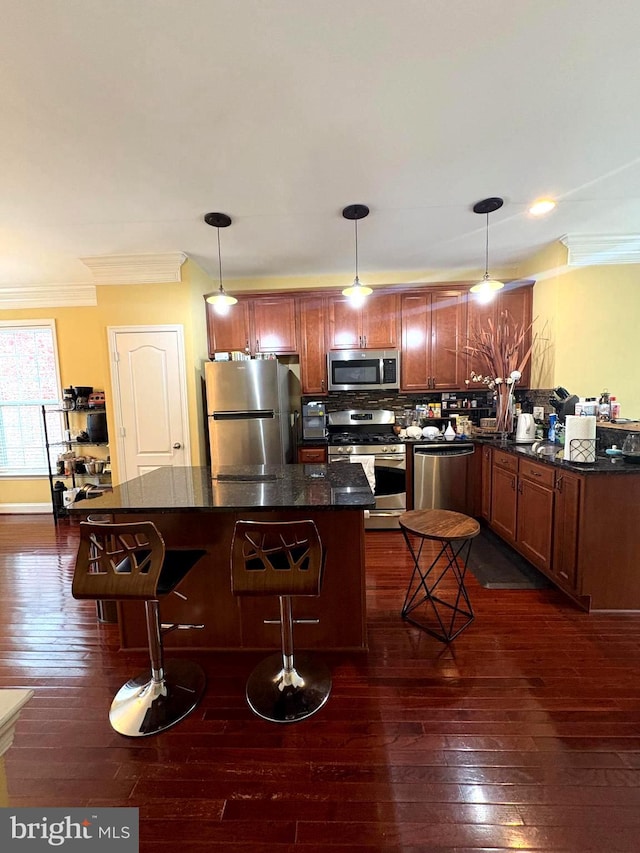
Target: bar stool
column 106, row 611
column 453, row 532
column 283, row 558
column 118, row 562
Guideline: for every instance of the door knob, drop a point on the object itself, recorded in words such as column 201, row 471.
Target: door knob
column 177, row 445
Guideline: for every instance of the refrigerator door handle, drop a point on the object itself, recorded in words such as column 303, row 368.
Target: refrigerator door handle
column 256, row 414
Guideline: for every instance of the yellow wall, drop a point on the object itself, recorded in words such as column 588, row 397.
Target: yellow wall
column 84, row 358
column 591, row 316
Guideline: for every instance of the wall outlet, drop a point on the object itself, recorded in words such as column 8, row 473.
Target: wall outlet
column 538, row 413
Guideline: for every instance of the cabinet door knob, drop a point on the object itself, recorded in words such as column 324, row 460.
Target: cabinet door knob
column 177, row 445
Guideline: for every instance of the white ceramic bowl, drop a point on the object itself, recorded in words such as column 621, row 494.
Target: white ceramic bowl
column 414, row 432
column 430, row 432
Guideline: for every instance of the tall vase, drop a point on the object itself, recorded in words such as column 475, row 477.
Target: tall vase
column 504, row 411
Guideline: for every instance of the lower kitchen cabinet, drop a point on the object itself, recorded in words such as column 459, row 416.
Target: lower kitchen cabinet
column 535, row 520
column 504, row 494
column 522, row 501
column 312, row 455
column 578, row 529
column 522, row 505
column 486, row 453
column 565, row 529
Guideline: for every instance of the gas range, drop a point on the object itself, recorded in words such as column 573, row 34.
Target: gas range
column 356, row 434
column 365, row 432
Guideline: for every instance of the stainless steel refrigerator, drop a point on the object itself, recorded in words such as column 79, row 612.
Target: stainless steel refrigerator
column 248, row 412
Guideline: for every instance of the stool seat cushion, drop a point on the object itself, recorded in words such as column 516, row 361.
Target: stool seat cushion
column 177, row 563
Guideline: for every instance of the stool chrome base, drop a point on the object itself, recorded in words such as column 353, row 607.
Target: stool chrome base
column 288, row 697
column 143, row 706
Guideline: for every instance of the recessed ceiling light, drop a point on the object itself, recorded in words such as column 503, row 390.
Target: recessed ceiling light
column 542, row 206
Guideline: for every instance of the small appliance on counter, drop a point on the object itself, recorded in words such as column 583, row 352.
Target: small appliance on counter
column 525, row 429
column 314, row 421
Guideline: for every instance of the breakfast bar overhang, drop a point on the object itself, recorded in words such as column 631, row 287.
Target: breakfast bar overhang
column 194, row 507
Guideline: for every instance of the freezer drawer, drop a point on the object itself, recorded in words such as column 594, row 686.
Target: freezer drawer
column 440, row 477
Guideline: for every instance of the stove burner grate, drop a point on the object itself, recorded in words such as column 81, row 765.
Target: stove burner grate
column 363, row 438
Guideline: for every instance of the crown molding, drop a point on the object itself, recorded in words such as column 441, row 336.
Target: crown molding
column 136, row 269
column 594, row 250
column 47, row 296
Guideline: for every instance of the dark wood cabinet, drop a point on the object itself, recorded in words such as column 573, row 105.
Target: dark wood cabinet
column 517, row 300
column 373, row 326
column 432, row 334
column 229, row 332
column 256, row 326
column 535, row 513
column 566, row 527
column 312, row 455
column 487, row 477
column 504, row 495
column 312, row 315
column 274, row 325
column 429, row 325
column 577, row 529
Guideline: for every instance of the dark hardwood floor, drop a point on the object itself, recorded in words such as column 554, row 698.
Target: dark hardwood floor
column 523, row 734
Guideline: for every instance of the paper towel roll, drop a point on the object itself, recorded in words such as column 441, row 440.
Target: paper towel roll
column 580, row 438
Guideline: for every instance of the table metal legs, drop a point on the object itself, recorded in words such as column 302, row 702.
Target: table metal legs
column 453, row 615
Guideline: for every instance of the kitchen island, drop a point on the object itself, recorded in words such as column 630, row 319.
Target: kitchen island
column 197, row 508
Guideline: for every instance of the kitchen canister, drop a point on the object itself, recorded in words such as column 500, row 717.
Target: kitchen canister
column 580, row 438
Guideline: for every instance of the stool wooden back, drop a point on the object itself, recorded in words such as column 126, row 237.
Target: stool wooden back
column 276, row 558
column 118, row 561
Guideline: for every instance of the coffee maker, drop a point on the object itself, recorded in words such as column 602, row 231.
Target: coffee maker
column 313, row 421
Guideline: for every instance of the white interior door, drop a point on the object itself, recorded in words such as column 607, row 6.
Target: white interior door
column 150, row 398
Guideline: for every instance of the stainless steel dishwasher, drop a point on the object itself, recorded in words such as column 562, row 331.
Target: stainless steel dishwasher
column 440, row 475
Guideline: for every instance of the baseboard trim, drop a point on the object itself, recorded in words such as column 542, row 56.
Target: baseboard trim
column 26, row 509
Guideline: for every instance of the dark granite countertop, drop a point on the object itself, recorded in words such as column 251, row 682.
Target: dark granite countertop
column 317, row 487
column 603, row 464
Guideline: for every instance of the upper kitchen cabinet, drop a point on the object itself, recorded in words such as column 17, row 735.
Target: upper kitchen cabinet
column 228, row 332
column 433, row 326
column 262, row 324
column 373, row 326
column 517, row 300
column 313, row 355
column 274, row 325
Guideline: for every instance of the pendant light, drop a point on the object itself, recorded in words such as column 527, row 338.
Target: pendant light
column 220, row 300
column 357, row 292
column 487, row 287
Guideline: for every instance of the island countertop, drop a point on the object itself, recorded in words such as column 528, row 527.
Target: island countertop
column 198, row 508
column 292, row 487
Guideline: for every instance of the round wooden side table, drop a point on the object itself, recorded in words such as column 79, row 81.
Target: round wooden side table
column 431, row 585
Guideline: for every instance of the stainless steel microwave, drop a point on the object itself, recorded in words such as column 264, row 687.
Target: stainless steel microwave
column 364, row 370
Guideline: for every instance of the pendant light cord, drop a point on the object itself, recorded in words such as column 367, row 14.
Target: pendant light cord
column 486, row 254
column 355, row 222
column 219, row 259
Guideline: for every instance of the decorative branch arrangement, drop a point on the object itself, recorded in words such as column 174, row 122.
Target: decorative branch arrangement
column 497, row 350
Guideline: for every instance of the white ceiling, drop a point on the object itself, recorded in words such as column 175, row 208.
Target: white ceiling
column 125, row 121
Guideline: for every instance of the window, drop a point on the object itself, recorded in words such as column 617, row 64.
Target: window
column 29, row 379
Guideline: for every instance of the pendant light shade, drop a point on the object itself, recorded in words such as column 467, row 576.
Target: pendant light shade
column 358, row 291
column 220, row 300
column 488, row 286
